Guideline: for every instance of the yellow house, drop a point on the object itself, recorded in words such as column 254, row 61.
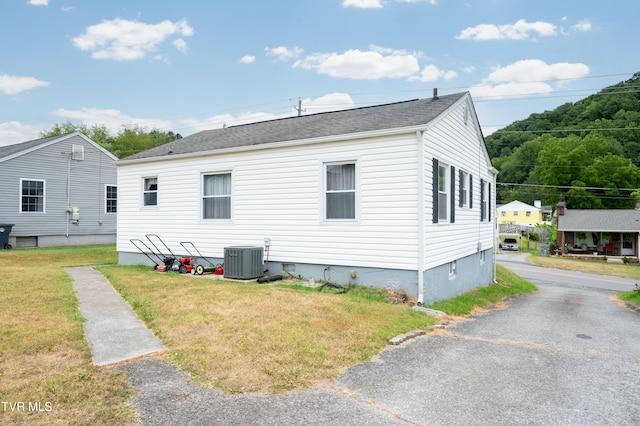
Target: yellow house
column 519, row 213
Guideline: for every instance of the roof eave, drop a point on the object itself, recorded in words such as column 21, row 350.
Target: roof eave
column 283, row 144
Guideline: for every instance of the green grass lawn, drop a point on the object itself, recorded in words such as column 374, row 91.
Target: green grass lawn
column 45, row 359
column 239, row 337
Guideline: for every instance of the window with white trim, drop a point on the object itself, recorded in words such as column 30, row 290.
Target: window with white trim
column 340, row 191
column 111, row 199
column 32, row 198
column 216, row 196
column 443, row 192
column 150, row 191
column 464, row 189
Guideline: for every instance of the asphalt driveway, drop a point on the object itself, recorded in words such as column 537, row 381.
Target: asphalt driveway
column 564, row 355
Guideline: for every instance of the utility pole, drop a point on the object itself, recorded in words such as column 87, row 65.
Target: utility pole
column 299, row 108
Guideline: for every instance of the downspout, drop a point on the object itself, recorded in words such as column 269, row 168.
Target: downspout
column 68, row 193
column 494, row 201
column 421, row 241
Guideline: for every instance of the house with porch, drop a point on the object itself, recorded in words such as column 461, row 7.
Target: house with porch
column 602, row 232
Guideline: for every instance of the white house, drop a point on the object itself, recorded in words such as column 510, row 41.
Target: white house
column 57, row 191
column 398, row 195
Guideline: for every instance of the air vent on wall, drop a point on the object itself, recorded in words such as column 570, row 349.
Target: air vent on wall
column 77, row 152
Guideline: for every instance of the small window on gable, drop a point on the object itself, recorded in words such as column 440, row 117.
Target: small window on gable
column 216, row 196
column 340, row 191
column 150, row 191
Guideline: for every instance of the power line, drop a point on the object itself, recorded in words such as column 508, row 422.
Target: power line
column 533, row 185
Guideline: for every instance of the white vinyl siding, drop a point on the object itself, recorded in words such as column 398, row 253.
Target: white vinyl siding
column 279, row 194
column 457, row 145
column 216, row 196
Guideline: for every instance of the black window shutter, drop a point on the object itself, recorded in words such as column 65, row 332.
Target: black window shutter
column 453, row 195
column 489, row 202
column 436, row 166
column 470, row 191
column 481, row 200
column 461, row 189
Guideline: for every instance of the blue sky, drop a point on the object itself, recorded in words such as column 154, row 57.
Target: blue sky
column 186, row 66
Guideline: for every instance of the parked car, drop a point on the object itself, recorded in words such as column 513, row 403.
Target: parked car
column 510, row 244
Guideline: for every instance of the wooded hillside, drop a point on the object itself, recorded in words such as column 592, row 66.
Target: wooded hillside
column 586, row 153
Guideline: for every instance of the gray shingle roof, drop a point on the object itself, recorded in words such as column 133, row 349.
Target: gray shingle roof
column 8, row 150
column 600, row 220
column 388, row 116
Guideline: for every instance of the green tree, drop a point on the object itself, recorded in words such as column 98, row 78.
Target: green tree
column 127, row 142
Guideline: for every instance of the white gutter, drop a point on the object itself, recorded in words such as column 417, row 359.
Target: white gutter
column 421, row 241
column 273, row 145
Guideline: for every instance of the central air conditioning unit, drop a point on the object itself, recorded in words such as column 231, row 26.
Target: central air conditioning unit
column 243, row 263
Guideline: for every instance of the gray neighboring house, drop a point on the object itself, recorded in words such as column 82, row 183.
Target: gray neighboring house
column 58, row 191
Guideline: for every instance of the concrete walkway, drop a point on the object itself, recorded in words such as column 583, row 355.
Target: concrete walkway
column 113, row 330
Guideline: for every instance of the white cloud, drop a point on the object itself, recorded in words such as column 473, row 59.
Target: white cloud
column 13, row 84
column 519, row 31
column 363, row 4
column 357, row 64
column 283, row 53
column 330, row 102
column 582, row 26
column 39, row 2
column 114, row 120
column 247, row 59
column 181, row 45
column 433, row 73
column 124, row 40
column 377, row 4
column 14, row 132
column 528, row 77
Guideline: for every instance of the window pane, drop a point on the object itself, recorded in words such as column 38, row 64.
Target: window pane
column 151, row 184
column 217, row 184
column 151, row 199
column 442, row 206
column 32, row 196
column 216, row 208
column 341, row 177
column 442, row 179
column 341, row 205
